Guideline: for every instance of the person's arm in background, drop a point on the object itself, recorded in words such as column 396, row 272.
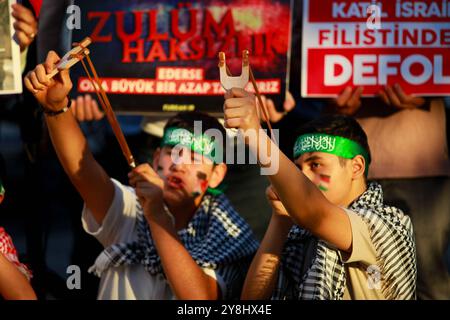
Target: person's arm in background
column 13, row 284
column 88, row 177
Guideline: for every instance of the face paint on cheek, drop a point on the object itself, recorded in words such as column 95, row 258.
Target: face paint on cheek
column 324, row 181
column 202, row 183
column 2, row 192
column 159, row 171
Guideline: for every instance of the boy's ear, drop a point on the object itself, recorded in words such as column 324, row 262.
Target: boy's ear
column 156, row 156
column 358, row 167
column 218, row 174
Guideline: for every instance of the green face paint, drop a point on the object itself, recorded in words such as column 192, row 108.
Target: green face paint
column 339, row 146
column 201, row 144
column 324, row 179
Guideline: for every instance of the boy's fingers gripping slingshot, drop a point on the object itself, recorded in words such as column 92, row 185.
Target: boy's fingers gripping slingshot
column 78, row 53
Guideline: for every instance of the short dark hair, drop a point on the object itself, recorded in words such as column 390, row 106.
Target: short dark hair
column 338, row 125
column 185, row 120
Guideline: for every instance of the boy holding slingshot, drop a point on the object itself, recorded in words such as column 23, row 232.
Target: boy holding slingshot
column 330, row 235
column 168, row 236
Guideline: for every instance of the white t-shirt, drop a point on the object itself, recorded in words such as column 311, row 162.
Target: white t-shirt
column 127, row 282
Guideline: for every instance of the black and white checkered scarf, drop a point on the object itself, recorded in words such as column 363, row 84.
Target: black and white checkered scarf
column 215, row 237
column 323, row 276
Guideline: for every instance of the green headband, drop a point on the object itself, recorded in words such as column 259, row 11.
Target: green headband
column 201, row 144
column 339, row 146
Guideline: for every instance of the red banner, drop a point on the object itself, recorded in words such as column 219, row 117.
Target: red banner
column 150, row 54
column 373, row 44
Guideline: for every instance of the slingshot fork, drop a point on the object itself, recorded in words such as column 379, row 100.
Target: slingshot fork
column 72, row 57
column 226, row 80
column 78, row 53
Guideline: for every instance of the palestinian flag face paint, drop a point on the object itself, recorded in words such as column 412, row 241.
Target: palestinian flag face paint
column 202, row 184
column 2, row 192
column 324, row 182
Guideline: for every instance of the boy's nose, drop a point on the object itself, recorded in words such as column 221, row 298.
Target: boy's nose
column 180, row 160
column 177, row 167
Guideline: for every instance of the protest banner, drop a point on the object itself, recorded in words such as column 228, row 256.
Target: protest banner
column 373, row 44
column 156, row 56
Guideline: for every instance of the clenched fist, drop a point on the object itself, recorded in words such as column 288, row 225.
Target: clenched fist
column 240, row 110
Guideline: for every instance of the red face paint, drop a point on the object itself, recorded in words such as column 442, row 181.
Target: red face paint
column 202, row 177
column 324, row 179
column 204, row 185
column 2, row 192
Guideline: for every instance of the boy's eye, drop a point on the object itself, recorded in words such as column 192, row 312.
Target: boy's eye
column 315, row 165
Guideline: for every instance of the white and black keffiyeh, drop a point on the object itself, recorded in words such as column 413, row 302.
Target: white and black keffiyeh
column 323, row 275
column 216, row 237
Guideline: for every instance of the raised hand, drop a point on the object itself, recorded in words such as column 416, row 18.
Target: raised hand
column 84, row 108
column 275, row 115
column 25, row 25
column 52, row 93
column 349, row 101
column 396, row 97
column 149, row 189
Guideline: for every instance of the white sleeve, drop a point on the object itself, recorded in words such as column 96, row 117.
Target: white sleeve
column 119, row 222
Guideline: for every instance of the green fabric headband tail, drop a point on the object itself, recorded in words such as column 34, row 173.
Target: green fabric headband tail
column 216, row 191
column 201, row 144
column 339, row 146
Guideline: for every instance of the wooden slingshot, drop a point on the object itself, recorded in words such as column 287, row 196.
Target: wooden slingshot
column 227, row 81
column 71, row 58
